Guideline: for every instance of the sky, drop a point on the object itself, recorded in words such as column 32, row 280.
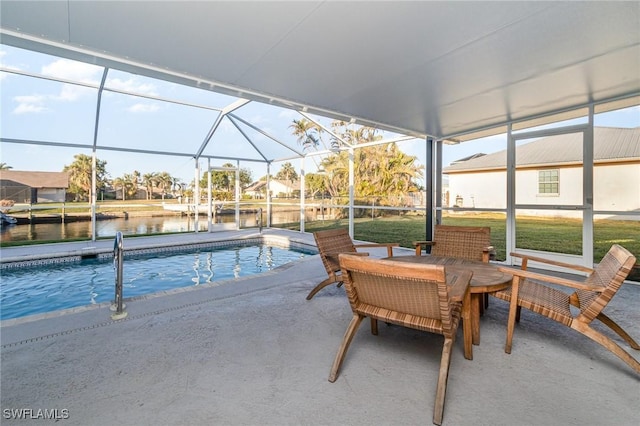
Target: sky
column 43, row 110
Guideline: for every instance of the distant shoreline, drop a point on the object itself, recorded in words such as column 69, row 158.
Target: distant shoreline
column 26, row 219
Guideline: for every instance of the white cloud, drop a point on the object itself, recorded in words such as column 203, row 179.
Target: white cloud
column 70, row 93
column 30, row 104
column 64, row 69
column 11, row 67
column 142, row 108
column 131, row 85
column 75, row 71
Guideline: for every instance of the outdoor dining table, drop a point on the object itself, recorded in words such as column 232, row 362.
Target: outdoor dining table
column 486, row 279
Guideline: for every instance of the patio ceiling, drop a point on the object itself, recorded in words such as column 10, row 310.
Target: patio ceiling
column 444, row 69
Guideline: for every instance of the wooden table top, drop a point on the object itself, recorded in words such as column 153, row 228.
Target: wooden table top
column 486, row 276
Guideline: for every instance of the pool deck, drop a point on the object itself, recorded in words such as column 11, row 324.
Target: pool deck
column 253, row 351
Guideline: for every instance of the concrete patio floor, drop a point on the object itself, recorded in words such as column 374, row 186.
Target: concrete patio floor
column 253, row 351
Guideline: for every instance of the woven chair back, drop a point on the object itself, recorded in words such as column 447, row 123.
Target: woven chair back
column 610, row 273
column 403, row 289
column 464, row 242
column 332, row 242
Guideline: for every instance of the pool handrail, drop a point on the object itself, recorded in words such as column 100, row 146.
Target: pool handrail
column 118, row 257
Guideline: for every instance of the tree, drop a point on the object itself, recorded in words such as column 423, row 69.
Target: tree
column 381, row 172
column 315, row 183
column 149, row 180
column 307, row 132
column 128, row 183
column 287, row 173
column 119, row 182
column 223, row 182
column 80, row 176
column 164, row 181
column 4, row 166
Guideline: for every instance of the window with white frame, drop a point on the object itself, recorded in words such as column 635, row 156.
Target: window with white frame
column 548, row 182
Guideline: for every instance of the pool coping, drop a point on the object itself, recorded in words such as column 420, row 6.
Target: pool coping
column 35, row 255
column 157, row 246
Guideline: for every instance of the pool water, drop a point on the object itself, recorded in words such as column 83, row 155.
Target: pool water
column 34, row 290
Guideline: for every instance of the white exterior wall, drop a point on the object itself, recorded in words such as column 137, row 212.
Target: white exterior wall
column 479, row 190
column 616, row 187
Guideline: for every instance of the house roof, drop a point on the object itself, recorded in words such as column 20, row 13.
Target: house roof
column 36, row 179
column 610, row 144
column 452, row 70
column 259, row 185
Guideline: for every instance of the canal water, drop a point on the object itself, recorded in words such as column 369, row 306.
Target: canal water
column 137, row 225
column 109, row 228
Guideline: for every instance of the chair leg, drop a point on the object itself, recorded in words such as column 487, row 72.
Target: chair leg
column 320, row 286
column 374, row 326
column 608, row 344
column 468, row 324
column 619, row 331
column 346, row 341
column 514, row 313
column 438, row 408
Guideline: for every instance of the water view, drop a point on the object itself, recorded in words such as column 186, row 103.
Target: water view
column 136, row 225
column 38, row 289
column 107, row 228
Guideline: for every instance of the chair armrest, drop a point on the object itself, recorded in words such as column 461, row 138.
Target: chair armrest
column 389, row 246
column 550, row 279
column 486, row 254
column 418, row 245
column 460, row 287
column 525, row 258
column 334, row 257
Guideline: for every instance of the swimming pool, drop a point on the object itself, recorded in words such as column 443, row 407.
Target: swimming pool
column 55, row 286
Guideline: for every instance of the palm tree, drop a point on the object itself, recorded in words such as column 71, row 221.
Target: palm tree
column 307, row 132
column 287, row 173
column 164, row 181
column 4, row 166
column 149, row 181
column 119, row 182
column 380, row 170
column 80, row 175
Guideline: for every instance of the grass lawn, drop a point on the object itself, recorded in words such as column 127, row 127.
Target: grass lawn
column 547, row 234
column 554, row 235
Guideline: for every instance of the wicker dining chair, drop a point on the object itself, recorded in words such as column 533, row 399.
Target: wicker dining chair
column 466, row 242
column 330, row 244
column 589, row 297
column 410, row 295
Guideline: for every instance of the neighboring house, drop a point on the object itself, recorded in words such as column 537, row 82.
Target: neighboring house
column 279, row 188
column 548, row 171
column 33, row 187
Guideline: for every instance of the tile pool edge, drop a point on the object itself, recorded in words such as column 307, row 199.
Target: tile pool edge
column 184, row 291
column 103, row 253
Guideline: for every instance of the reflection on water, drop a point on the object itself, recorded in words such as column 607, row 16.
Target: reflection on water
column 45, row 288
column 207, row 268
column 133, row 226
column 236, row 267
column 104, row 228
